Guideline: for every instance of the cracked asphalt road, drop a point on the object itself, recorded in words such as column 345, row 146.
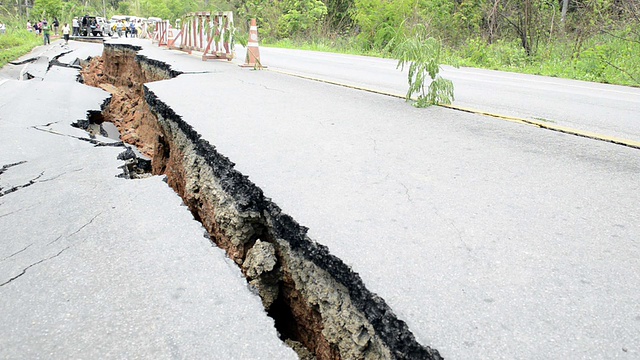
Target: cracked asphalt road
column 96, row 266
column 491, row 239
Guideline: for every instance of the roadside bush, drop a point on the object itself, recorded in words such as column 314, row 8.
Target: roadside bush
column 16, row 42
column 476, row 53
column 502, row 54
column 509, row 54
column 610, row 59
column 301, row 17
column 590, row 63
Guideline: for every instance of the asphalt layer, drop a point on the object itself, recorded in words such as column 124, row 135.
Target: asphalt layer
column 598, row 109
column 96, row 266
column 490, row 238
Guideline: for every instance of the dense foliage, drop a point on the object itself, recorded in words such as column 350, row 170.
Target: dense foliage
column 587, row 39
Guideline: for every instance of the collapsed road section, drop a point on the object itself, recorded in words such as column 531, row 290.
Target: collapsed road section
column 96, row 266
column 315, row 299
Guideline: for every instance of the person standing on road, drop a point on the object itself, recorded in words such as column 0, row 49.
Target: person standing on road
column 143, row 33
column 84, row 26
column 65, row 33
column 76, row 26
column 56, row 25
column 132, row 29
column 46, row 32
column 126, row 28
column 119, row 26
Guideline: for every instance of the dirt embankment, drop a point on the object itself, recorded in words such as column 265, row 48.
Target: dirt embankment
column 123, row 77
column 320, row 306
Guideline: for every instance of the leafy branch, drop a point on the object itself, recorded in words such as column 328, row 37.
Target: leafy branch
column 422, row 53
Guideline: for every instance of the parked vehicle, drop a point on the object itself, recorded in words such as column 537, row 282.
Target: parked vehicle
column 116, row 18
column 89, row 26
column 104, row 26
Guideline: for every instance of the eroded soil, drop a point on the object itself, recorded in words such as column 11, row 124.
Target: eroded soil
column 320, row 306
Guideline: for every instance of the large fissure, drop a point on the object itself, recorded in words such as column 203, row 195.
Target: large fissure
column 321, row 307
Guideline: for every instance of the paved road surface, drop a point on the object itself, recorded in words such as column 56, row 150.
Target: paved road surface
column 606, row 109
column 96, row 266
column 492, row 239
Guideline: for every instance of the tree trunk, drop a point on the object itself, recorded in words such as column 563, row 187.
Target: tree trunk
column 493, row 21
column 527, row 25
column 565, row 5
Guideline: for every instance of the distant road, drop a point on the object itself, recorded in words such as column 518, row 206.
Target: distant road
column 605, row 109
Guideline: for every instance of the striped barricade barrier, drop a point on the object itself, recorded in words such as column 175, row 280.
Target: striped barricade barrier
column 161, row 34
column 207, row 33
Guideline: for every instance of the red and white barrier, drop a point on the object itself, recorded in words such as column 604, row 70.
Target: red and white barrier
column 210, row 34
column 161, row 33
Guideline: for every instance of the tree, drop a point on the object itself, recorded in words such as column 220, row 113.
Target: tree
column 530, row 19
column 339, row 13
column 47, row 8
column 565, row 6
column 155, row 8
column 300, row 17
column 493, row 19
column 381, row 20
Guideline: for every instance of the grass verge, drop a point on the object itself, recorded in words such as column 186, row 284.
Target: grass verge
column 16, row 43
column 601, row 58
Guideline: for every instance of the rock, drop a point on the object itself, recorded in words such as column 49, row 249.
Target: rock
column 259, row 268
column 302, row 351
column 261, row 258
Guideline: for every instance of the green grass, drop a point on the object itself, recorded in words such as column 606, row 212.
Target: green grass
column 601, row 58
column 339, row 46
column 16, row 43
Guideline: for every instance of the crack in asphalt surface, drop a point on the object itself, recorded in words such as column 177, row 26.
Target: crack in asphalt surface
column 61, row 175
column 24, row 271
column 6, row 167
column 92, row 141
column 51, row 257
column 77, row 231
column 16, row 188
column 16, row 253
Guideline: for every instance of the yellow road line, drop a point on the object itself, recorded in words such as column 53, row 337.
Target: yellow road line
column 484, row 113
column 558, row 128
column 355, row 87
column 542, row 125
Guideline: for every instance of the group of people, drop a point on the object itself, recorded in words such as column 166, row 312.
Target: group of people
column 82, row 22
column 38, row 26
column 133, row 28
column 43, row 28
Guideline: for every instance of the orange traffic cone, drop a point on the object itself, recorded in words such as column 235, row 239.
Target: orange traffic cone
column 253, row 50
